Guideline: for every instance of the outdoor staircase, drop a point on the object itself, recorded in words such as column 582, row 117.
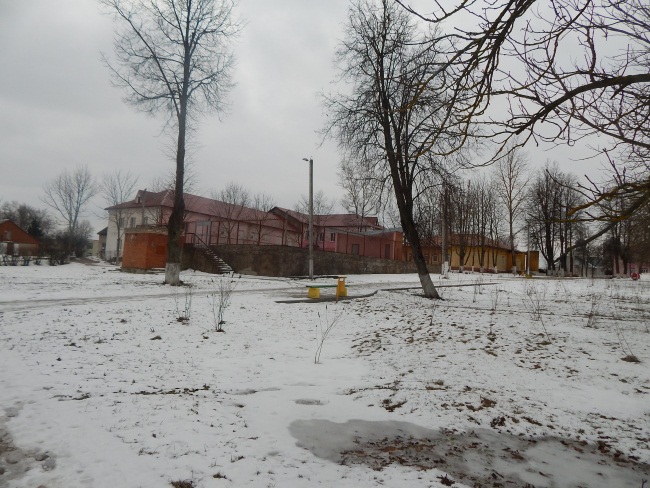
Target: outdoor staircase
column 212, row 263
column 219, row 266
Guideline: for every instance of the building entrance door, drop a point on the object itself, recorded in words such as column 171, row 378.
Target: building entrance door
column 203, row 233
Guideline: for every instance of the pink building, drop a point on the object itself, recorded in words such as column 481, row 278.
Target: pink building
column 207, row 221
column 336, row 233
column 210, row 222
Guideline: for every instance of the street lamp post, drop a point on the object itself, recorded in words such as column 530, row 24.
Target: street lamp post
column 311, row 217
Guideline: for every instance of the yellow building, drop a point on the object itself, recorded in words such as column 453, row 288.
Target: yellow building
column 473, row 253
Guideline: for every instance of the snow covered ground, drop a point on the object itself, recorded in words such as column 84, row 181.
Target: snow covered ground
column 520, row 383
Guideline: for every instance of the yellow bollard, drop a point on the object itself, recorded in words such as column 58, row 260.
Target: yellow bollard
column 341, row 290
column 313, row 292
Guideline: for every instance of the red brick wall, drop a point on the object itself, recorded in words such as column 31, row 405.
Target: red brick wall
column 144, row 250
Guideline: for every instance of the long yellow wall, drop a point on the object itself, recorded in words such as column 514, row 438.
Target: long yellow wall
column 503, row 259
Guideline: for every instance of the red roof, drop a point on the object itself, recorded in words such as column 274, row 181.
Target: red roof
column 193, row 203
column 12, row 232
column 334, row 220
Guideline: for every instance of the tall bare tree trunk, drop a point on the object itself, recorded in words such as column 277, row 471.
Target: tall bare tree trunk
column 404, row 198
column 420, row 264
column 175, row 223
column 174, row 57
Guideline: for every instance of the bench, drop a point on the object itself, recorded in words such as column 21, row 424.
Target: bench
column 313, row 290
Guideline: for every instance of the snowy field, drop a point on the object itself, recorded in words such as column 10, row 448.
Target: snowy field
column 516, row 383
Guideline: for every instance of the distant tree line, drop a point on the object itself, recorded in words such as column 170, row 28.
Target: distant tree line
column 55, row 243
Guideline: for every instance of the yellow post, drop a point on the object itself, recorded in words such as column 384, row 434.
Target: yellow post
column 341, row 290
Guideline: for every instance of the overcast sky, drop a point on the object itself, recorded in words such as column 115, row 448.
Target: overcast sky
column 58, row 109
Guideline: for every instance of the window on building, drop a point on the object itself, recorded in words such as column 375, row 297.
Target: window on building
column 355, row 249
column 321, row 237
column 435, row 258
column 145, row 221
column 7, row 235
column 120, row 222
column 332, row 236
column 132, row 222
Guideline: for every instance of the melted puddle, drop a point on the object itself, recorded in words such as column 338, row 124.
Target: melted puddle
column 478, row 458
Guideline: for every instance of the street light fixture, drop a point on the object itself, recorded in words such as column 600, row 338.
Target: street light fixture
column 311, row 216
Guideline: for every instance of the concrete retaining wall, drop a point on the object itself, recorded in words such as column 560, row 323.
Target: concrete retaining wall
column 293, row 261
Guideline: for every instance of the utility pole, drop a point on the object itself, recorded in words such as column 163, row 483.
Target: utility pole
column 311, row 217
column 528, row 249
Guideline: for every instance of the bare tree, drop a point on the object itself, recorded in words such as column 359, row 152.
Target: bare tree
column 495, row 227
column 263, row 203
column 166, row 181
column 117, row 188
column 174, row 57
column 67, row 194
column 363, row 190
column 552, row 195
column 479, row 221
column 232, row 203
column 640, row 235
column 428, row 215
column 462, row 221
column 515, row 56
column 391, row 117
column 543, row 209
column 570, row 221
column 36, row 222
column 322, row 207
column 81, row 238
column 511, row 179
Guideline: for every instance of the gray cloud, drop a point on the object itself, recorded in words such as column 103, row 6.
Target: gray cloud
column 59, row 110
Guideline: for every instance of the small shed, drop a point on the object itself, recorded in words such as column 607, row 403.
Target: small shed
column 15, row 241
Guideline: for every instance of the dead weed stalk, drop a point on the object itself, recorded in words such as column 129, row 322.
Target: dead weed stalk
column 220, row 301
column 534, row 297
column 183, row 313
column 323, row 332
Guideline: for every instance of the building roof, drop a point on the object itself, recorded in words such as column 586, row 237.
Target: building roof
column 163, row 198
column 193, row 203
column 340, row 221
column 19, row 235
